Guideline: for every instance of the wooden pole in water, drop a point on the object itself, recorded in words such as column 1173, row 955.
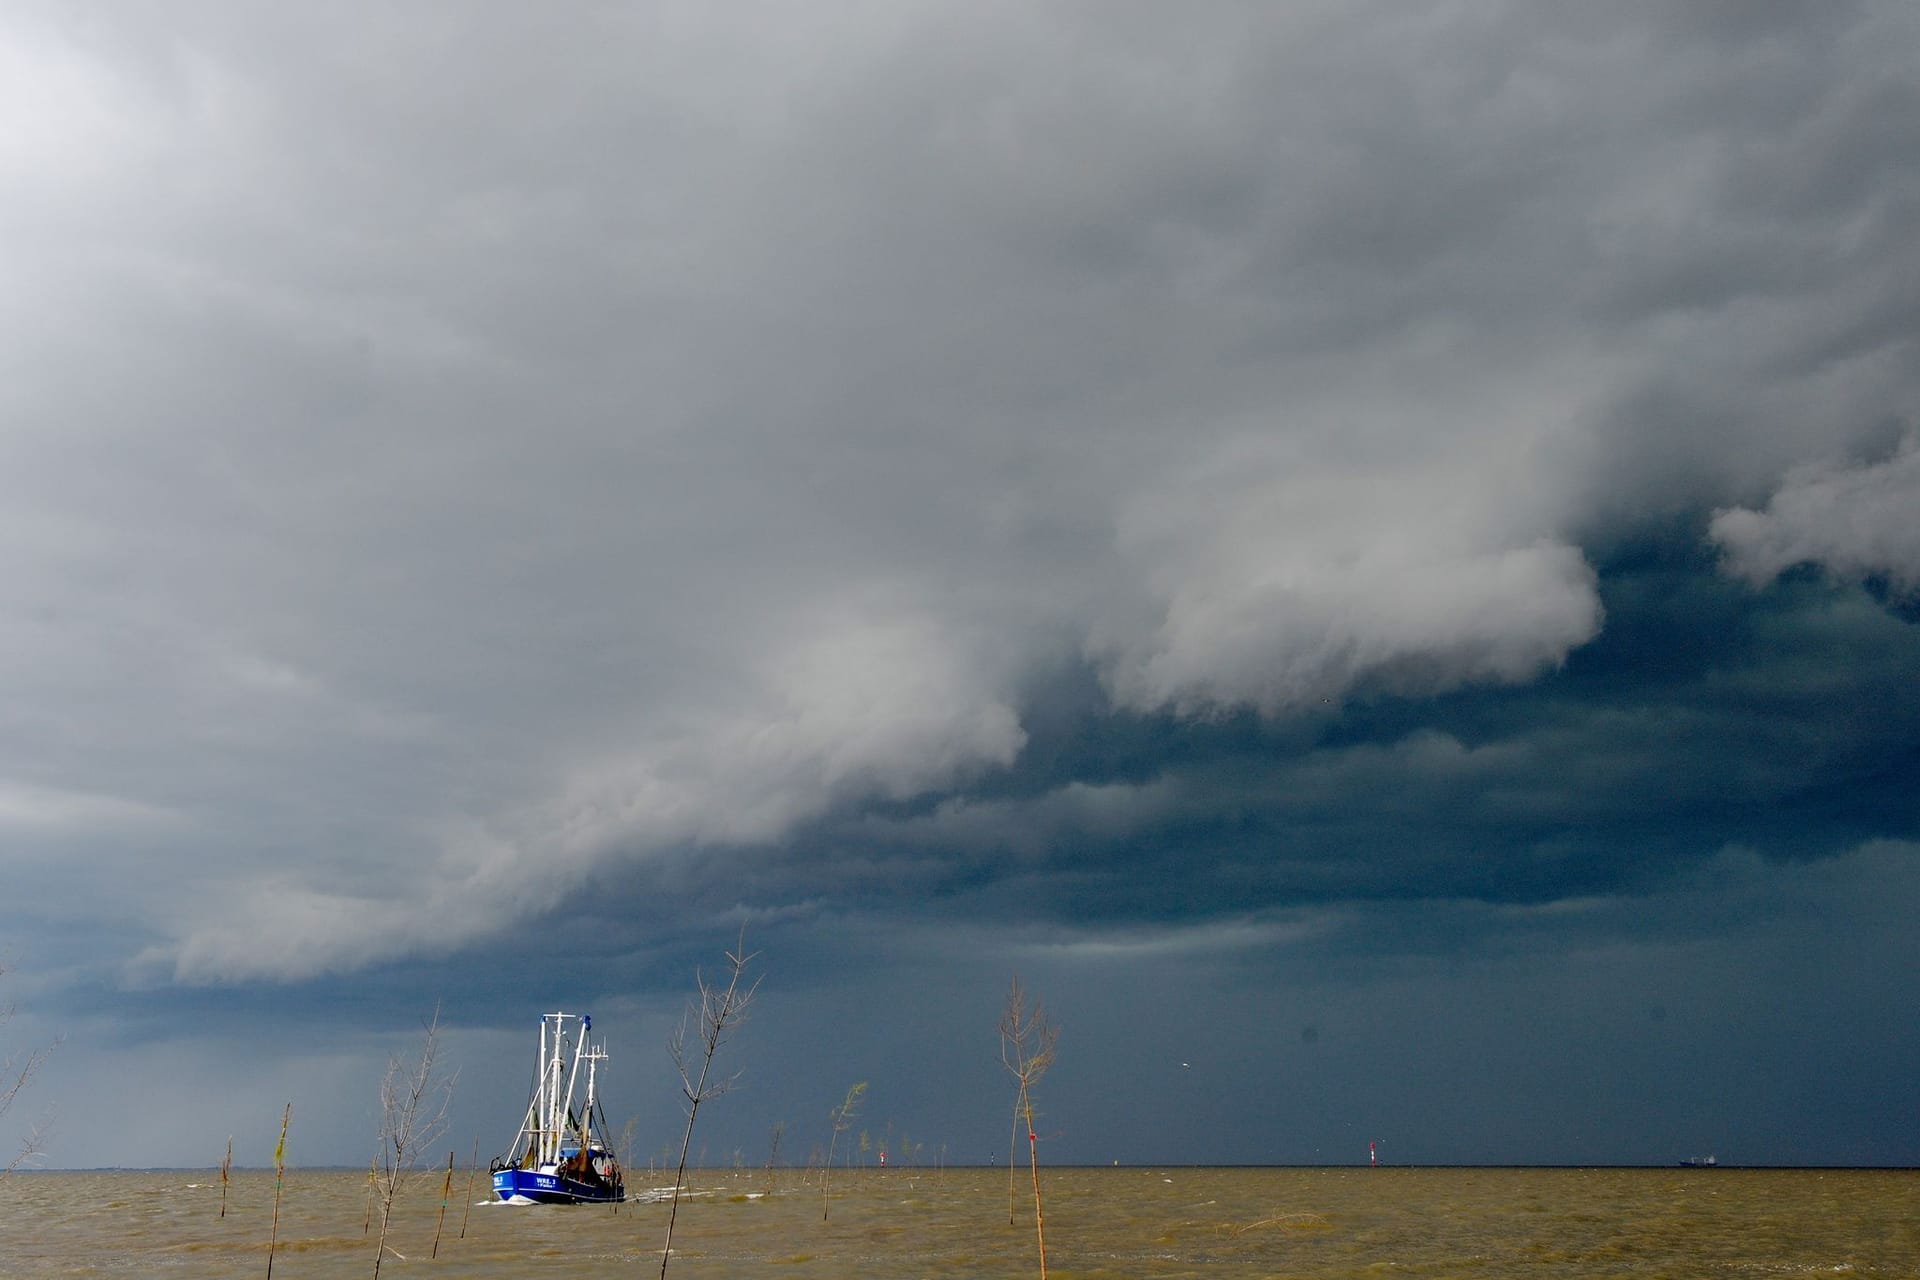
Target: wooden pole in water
column 225, row 1167
column 279, row 1176
column 472, row 1169
column 446, row 1189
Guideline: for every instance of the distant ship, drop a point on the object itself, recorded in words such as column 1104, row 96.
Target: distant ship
column 561, row 1155
column 1699, row 1162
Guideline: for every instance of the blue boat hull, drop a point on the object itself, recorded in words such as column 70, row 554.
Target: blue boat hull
column 529, row 1186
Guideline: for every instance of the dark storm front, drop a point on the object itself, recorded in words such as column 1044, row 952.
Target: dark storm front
column 1106, row 1222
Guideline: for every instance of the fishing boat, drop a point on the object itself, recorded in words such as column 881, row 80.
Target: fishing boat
column 561, row 1154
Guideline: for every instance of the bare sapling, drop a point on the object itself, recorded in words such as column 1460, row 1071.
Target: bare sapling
column 626, row 1154
column 774, row 1136
column 16, row 1071
column 279, row 1177
column 710, row 1017
column 1027, row 1040
column 414, row 1100
column 842, row 1117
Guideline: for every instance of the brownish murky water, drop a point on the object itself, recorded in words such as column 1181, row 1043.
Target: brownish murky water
column 1119, row 1222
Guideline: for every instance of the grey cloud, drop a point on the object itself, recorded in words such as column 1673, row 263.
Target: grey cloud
column 1855, row 521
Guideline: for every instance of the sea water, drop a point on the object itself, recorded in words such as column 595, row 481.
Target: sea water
column 1108, row 1222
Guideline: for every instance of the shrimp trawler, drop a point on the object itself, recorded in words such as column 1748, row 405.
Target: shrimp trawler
column 561, row 1154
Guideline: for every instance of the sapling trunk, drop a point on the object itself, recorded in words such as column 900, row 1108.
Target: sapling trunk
column 1013, row 1157
column 1033, row 1156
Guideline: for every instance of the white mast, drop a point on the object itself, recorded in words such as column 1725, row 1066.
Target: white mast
column 553, row 1116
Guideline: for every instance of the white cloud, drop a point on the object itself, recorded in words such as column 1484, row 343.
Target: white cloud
column 1286, row 576
column 1166, row 944
column 1852, row 521
column 849, row 706
column 27, row 806
column 285, row 931
column 1414, row 622
column 856, row 706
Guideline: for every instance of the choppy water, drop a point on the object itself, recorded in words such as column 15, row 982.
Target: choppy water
column 1119, row 1222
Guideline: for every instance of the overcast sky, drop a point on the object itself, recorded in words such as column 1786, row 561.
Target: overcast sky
column 1368, row 551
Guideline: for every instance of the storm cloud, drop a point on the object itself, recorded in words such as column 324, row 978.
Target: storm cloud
column 1322, row 499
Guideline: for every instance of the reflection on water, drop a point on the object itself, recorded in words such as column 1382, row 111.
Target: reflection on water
column 1115, row 1222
